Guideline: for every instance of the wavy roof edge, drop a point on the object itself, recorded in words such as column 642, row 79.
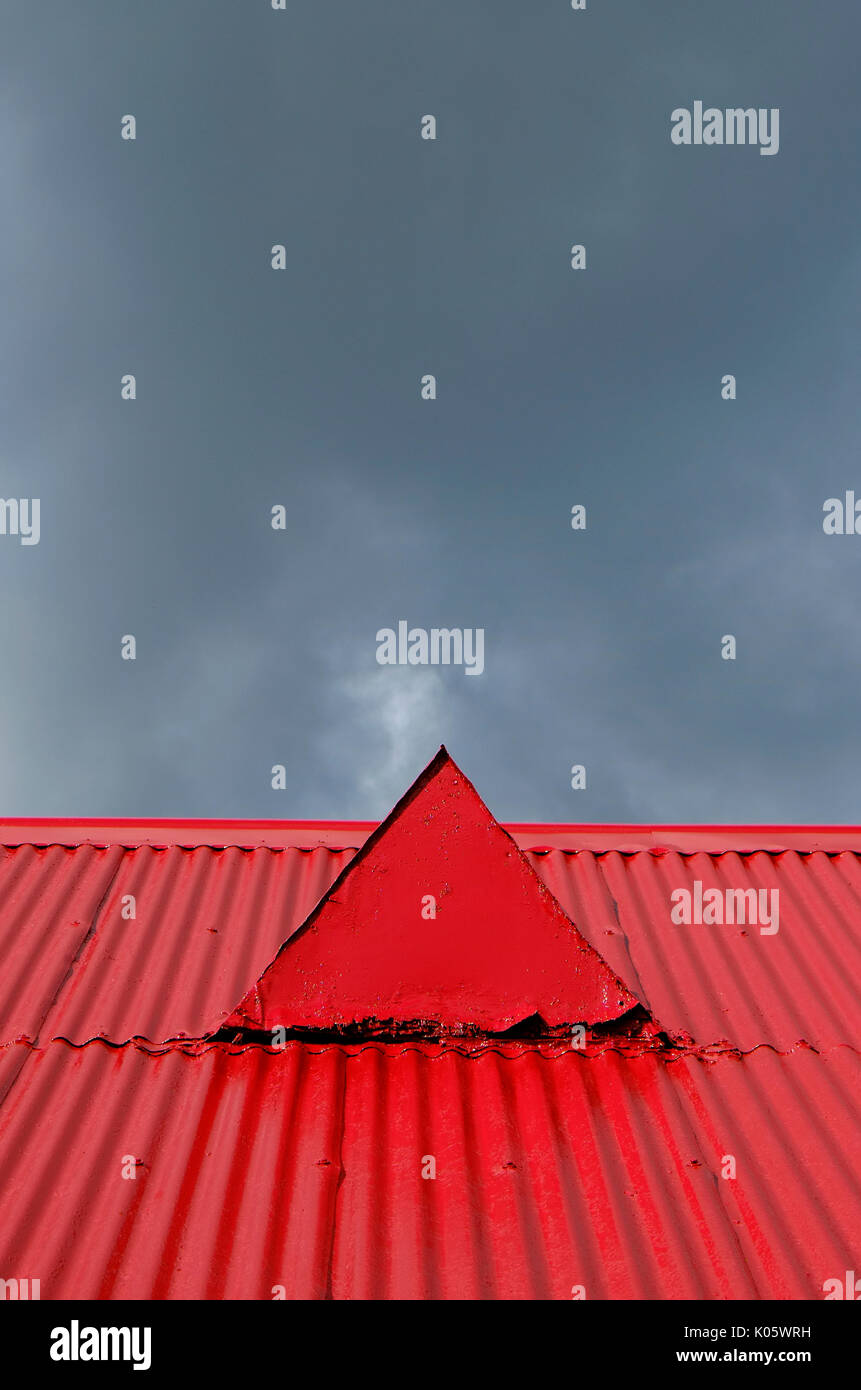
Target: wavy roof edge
column 342, row 834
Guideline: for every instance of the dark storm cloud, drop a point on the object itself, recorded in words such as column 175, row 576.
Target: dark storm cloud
column 555, row 387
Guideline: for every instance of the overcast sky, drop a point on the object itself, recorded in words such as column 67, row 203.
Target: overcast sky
column 555, row 387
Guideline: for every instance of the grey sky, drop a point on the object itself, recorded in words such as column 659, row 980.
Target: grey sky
column 555, row 387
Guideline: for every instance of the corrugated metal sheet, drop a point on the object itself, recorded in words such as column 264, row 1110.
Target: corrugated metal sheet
column 726, row 982
column 49, row 902
column 312, row 834
column 209, row 921
column 304, row 1169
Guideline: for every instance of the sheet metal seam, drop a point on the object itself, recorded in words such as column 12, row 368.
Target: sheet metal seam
column 551, row 1051
column 82, row 944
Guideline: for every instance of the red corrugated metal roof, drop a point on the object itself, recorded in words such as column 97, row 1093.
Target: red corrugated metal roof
column 49, row 904
column 209, row 922
column 555, row 1167
column 727, row 983
column 304, row 1169
column 340, row 834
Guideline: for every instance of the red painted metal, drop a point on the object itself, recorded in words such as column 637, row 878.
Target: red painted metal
column 351, row 834
column 186, row 834
column 210, row 921
column 303, row 1168
column 726, row 983
column 49, row 899
column 206, row 923
column 496, row 950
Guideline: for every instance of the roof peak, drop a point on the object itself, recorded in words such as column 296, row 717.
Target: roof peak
column 439, row 920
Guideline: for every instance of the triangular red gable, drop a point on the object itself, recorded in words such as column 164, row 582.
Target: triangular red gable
column 440, row 918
